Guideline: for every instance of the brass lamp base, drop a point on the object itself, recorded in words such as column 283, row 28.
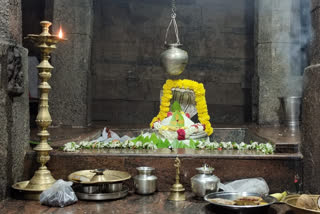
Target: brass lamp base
column 31, row 190
column 22, row 192
column 177, row 193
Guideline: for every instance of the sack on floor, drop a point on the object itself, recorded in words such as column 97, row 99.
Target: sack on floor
column 60, row 194
column 256, row 185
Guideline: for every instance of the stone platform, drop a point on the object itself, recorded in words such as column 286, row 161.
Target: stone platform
column 155, row 204
column 277, row 169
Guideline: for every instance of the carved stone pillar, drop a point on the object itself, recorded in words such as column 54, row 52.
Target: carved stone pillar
column 277, row 44
column 14, row 102
column 311, row 110
column 70, row 100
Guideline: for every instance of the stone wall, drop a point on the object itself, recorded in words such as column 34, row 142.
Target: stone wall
column 128, row 38
column 310, row 110
column 70, row 98
column 14, row 103
column 278, row 69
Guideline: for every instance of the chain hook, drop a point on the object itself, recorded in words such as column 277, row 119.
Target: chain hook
column 173, row 21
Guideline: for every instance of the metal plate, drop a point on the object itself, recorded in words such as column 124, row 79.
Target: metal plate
column 111, row 176
column 239, row 209
column 103, row 196
column 291, row 200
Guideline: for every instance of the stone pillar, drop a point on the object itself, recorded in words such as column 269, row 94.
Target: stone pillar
column 311, row 110
column 14, row 102
column 277, row 25
column 70, row 96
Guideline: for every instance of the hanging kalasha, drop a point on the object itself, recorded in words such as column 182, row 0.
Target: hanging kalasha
column 173, row 60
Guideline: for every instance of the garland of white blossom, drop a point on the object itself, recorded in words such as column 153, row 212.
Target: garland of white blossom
column 266, row 148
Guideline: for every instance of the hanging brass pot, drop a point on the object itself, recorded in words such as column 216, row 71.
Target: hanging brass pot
column 174, row 60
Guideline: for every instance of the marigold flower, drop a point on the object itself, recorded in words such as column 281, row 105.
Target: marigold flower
column 199, row 92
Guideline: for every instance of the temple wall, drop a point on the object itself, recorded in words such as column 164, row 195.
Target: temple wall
column 70, row 98
column 310, row 110
column 128, row 38
column 14, row 103
column 279, row 42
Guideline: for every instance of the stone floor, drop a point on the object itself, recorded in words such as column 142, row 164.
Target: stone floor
column 155, row 204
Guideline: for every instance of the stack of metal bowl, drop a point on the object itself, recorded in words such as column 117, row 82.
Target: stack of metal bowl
column 100, row 184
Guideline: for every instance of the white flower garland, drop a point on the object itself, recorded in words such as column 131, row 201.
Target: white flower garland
column 266, row 148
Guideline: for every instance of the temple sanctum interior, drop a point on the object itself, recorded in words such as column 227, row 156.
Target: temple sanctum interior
column 160, row 106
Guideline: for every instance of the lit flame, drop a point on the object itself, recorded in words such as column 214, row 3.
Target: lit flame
column 60, row 34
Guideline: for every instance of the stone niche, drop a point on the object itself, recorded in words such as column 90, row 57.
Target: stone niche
column 109, row 69
column 128, row 38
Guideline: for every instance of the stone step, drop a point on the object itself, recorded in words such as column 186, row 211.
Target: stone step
column 277, row 169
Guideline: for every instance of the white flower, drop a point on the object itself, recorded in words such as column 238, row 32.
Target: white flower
column 236, row 146
column 254, row 145
column 242, row 145
column 152, row 146
column 223, row 145
column 124, row 144
column 84, row 143
column 201, row 145
column 131, row 144
column 229, row 145
column 157, row 125
column 138, row 144
column 71, row 147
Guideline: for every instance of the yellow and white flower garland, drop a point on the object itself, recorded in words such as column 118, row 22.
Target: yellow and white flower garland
column 201, row 104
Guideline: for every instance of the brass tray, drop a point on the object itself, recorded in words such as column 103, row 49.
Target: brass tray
column 111, row 176
column 291, row 201
column 21, row 192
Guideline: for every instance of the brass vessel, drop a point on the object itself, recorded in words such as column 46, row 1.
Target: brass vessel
column 100, row 184
column 98, row 176
column 42, row 178
column 177, row 191
column 174, row 60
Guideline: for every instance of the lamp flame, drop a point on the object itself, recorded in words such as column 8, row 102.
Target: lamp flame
column 60, row 34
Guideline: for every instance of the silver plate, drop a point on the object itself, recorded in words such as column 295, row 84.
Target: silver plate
column 239, row 209
column 103, row 196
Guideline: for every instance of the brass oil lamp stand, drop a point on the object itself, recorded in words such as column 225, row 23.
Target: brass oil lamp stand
column 177, row 191
column 42, row 178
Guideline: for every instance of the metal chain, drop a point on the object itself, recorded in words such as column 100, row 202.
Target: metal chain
column 173, row 21
column 173, row 8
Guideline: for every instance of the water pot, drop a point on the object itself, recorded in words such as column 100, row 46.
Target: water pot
column 174, row 60
column 291, row 108
column 204, row 182
column 145, row 183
